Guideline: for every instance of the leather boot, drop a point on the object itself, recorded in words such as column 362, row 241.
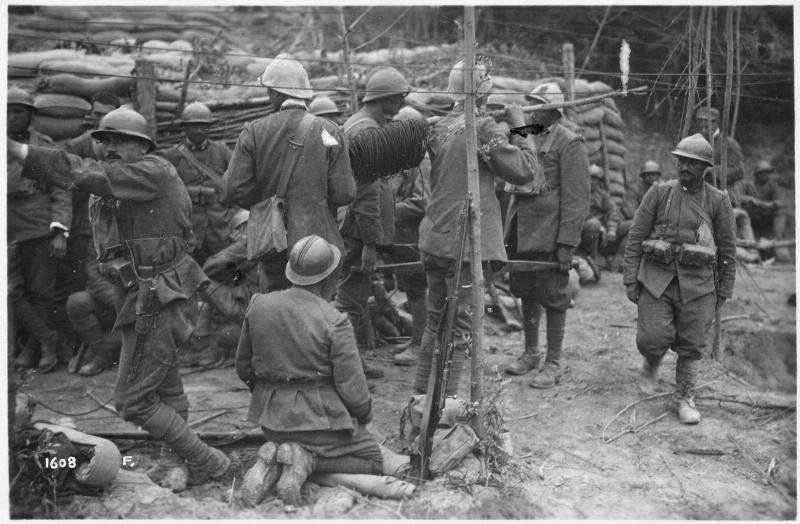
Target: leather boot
column 371, row 371
column 29, row 356
column 548, row 377
column 105, row 353
column 648, row 383
column 49, row 358
column 408, row 357
column 531, row 357
column 204, row 461
column 298, row 464
column 686, row 372
column 261, row 478
column 169, row 471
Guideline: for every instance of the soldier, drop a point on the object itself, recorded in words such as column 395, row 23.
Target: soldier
column 298, row 356
column 600, row 229
column 201, row 162
column 143, row 233
column 547, row 227
column 511, row 158
column 679, row 265
column 766, row 207
column 92, row 315
column 369, row 221
column 39, row 218
column 321, row 180
column 411, row 197
column 234, row 279
column 325, row 107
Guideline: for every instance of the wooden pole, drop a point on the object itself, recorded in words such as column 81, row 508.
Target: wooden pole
column 144, row 93
column 473, row 185
column 738, row 46
column 690, row 93
column 568, row 56
column 346, row 59
column 709, row 77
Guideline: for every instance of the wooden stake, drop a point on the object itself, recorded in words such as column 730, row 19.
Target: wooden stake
column 738, row 45
column 568, row 57
column 144, row 86
column 473, row 185
column 346, row 59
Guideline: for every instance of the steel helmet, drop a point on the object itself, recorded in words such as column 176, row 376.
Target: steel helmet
column 196, row 113
column 481, row 79
column 285, row 75
column 595, row 171
column 124, row 121
column 547, row 93
column 706, row 113
column 408, row 113
column 323, row 106
column 385, row 82
column 239, row 218
column 763, row 166
column 20, row 97
column 695, row 147
column 311, row 260
column 651, row 166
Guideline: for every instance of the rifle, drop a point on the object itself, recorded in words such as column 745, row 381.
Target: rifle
column 147, row 308
column 442, row 351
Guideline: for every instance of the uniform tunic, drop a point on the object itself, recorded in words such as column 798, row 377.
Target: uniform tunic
column 677, row 300
column 298, row 354
column 210, row 213
column 322, row 180
column 141, row 212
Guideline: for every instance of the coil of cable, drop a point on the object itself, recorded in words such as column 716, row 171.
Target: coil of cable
column 384, row 151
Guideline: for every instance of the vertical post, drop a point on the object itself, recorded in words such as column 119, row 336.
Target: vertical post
column 473, row 185
column 568, row 56
column 346, row 59
column 692, row 80
column 144, row 93
column 738, row 45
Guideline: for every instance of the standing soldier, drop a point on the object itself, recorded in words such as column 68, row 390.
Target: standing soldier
column 547, row 227
column 325, row 107
column 369, row 220
column 39, row 218
column 510, row 158
column 143, row 232
column 411, row 198
column 321, row 180
column 201, row 163
column 679, row 265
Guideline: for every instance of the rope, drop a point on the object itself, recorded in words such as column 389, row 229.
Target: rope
column 384, row 151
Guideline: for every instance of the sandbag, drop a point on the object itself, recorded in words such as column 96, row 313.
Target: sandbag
column 611, row 104
column 585, row 108
column 81, row 67
column 61, row 106
column 59, row 128
column 48, row 25
column 616, row 189
column 181, row 45
column 613, row 134
column 590, row 134
column 616, row 176
column 505, row 83
column 612, row 118
column 149, row 45
column 69, row 84
column 71, row 13
column 111, row 35
column 590, row 118
column 599, row 87
column 165, row 116
column 614, row 148
column 27, row 63
column 616, row 162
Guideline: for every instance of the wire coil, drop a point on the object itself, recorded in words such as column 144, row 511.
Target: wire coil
column 384, row 151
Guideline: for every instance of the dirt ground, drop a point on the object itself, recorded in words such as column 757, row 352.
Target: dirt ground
column 562, row 466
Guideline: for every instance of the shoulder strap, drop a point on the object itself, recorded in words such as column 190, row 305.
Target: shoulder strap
column 207, row 171
column 295, row 146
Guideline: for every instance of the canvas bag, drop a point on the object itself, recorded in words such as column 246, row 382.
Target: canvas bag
column 266, row 227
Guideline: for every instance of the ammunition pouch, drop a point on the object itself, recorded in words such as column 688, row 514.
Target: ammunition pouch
column 657, row 250
column 202, row 195
column 694, row 255
column 119, row 271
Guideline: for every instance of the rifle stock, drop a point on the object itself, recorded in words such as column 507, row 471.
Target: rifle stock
column 442, row 352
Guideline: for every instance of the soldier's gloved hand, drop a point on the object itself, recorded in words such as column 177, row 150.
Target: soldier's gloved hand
column 58, row 246
column 564, row 257
column 633, row 290
column 368, row 258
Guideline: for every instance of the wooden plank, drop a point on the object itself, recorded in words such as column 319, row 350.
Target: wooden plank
column 144, row 88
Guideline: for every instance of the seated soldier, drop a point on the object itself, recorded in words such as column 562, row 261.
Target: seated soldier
column 234, row 279
column 601, row 226
column 298, row 355
column 92, row 315
column 766, row 206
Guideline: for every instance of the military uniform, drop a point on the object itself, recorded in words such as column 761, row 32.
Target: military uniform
column 321, row 181
column 604, row 219
column 201, row 169
column 677, row 301
column 298, row 354
column 512, row 159
column 369, row 220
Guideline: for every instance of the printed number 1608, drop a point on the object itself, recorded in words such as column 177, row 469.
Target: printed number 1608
column 60, row 463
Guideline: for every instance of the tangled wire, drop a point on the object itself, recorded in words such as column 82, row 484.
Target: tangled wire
column 384, row 151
